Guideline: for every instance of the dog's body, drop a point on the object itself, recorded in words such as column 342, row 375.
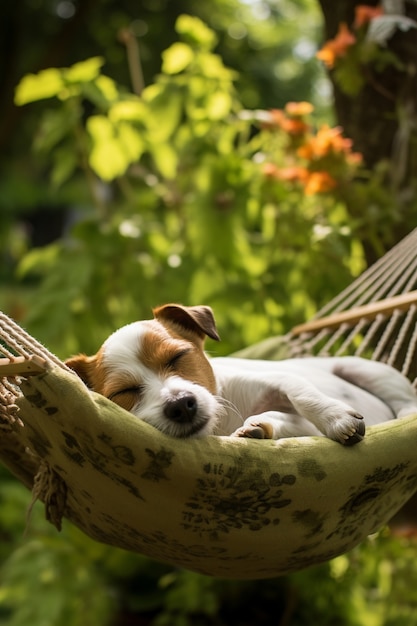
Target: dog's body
column 157, row 370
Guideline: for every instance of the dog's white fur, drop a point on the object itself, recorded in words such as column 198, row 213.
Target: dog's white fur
column 157, row 370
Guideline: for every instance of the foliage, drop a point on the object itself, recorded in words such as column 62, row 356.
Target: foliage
column 269, row 43
column 170, row 172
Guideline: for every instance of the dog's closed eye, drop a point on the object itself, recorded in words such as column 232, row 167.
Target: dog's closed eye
column 137, row 390
column 172, row 362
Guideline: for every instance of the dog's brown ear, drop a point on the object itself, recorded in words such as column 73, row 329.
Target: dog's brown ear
column 198, row 319
column 84, row 366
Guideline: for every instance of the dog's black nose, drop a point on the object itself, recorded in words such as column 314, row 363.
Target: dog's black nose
column 182, row 408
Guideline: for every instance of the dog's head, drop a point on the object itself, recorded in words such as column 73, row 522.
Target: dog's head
column 157, row 370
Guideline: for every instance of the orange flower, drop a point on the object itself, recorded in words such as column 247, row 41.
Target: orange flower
column 298, row 109
column 364, row 14
column 337, row 47
column 290, row 174
column 289, row 125
column 319, row 182
column 269, row 170
column 331, row 140
column 354, row 158
column 327, row 140
column 295, row 126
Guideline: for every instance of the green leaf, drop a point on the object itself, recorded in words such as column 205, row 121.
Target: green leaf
column 108, row 156
column 177, row 58
column 166, row 159
column 212, row 66
column 56, row 124
column 131, row 140
column 64, row 166
column 46, row 84
column 193, row 30
column 107, row 87
column 129, row 110
column 51, row 82
column 164, row 111
column 219, row 105
column 114, row 147
column 84, row 71
column 102, row 91
column 38, row 260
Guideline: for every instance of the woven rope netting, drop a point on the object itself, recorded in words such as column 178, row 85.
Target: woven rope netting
column 375, row 317
column 20, row 355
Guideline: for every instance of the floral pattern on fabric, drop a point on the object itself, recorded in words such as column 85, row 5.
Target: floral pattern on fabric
column 231, row 497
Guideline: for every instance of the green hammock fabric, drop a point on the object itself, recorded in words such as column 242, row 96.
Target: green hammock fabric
column 226, row 507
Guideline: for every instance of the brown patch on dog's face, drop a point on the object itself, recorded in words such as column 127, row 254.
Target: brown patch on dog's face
column 89, row 369
column 170, row 353
column 125, row 395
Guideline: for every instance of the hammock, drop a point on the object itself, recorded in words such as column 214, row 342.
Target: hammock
column 374, row 317
column 228, row 507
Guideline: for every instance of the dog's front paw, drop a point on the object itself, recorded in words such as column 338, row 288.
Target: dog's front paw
column 254, row 430
column 348, row 428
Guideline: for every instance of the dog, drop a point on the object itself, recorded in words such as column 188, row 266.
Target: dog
column 158, row 371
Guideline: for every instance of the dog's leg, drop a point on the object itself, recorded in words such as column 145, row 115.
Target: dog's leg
column 381, row 380
column 333, row 418
column 276, row 425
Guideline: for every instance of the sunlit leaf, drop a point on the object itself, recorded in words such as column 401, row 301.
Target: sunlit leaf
column 108, row 87
column 219, row 105
column 108, row 156
column 213, row 67
column 57, row 82
column 197, row 86
column 176, row 58
column 166, row 159
column 152, row 91
column 100, row 128
column 131, row 110
column 91, row 92
column 114, row 148
column 71, row 90
column 131, row 140
column 192, row 29
column 164, row 112
column 46, row 84
column 84, row 71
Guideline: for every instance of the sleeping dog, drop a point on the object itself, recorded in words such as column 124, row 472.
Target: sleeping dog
column 157, row 369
